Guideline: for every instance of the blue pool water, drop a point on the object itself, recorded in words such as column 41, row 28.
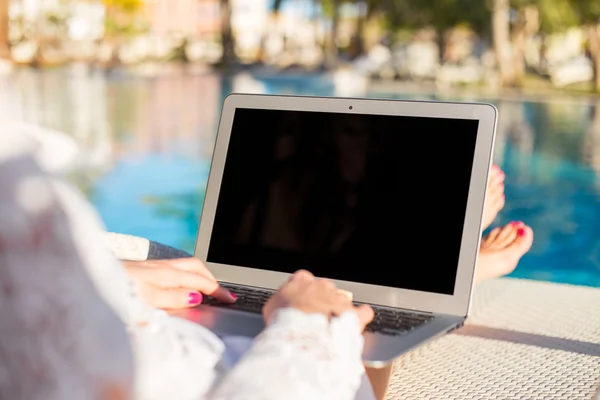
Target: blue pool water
column 148, row 143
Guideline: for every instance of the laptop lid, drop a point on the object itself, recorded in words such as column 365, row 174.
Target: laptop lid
column 383, row 197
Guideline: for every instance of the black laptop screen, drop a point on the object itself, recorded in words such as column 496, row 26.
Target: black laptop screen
column 361, row 198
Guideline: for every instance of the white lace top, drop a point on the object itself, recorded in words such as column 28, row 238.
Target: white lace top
column 74, row 327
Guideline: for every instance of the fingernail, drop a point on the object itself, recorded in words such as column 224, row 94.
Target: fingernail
column 233, row 295
column 514, row 223
column 495, row 167
column 521, row 232
column 194, row 298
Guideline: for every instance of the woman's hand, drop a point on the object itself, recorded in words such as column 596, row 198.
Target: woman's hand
column 173, row 284
column 306, row 293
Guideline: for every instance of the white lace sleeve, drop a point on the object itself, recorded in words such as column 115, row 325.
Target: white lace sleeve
column 299, row 356
column 58, row 338
column 74, row 324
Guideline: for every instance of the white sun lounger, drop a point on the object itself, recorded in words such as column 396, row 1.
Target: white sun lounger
column 524, row 340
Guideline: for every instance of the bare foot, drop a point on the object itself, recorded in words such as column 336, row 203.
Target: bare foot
column 494, row 200
column 502, row 249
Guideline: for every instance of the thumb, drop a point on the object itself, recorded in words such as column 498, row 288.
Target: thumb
column 171, row 298
column 365, row 315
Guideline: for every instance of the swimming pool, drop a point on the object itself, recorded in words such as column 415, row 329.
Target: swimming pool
column 147, row 145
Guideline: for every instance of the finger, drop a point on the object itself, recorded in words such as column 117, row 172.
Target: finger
column 341, row 304
column 191, row 264
column 326, row 285
column 365, row 315
column 325, row 296
column 170, row 298
column 170, row 278
column 268, row 308
column 298, row 280
column 276, row 301
column 302, row 275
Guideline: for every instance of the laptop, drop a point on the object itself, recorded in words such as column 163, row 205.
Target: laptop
column 383, row 197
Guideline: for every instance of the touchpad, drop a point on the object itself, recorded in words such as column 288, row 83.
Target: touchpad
column 224, row 321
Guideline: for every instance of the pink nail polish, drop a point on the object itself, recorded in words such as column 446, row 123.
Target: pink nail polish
column 514, row 223
column 521, row 232
column 233, row 295
column 194, row 298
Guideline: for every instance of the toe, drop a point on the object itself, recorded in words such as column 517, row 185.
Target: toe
column 501, row 202
column 499, row 261
column 499, row 188
column 507, row 235
column 524, row 239
column 497, row 201
column 521, row 243
column 491, row 237
column 496, row 176
column 491, row 208
column 494, row 201
column 494, row 193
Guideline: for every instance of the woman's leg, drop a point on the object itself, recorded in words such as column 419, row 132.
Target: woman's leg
column 380, row 380
column 499, row 254
column 502, row 249
column 495, row 197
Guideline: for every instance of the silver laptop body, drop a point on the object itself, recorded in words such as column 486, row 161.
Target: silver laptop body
column 383, row 197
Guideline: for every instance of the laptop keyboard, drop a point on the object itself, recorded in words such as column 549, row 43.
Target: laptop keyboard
column 386, row 321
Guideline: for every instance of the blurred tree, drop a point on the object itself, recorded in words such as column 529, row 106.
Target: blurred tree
column 228, row 57
column 529, row 17
column 369, row 11
column 526, row 24
column 331, row 10
column 523, row 19
column 361, row 20
column 440, row 15
column 509, row 44
column 509, row 23
column 122, row 19
column 4, row 33
column 587, row 13
column 559, row 15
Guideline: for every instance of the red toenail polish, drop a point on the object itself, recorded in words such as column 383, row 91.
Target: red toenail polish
column 233, row 295
column 521, row 232
column 194, row 298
